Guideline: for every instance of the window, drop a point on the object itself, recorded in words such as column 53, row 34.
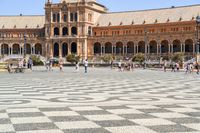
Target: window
column 58, row 17
column 71, row 17
column 89, row 30
column 90, row 17
column 56, row 31
column 76, row 16
column 65, row 18
column 54, row 17
column 74, row 31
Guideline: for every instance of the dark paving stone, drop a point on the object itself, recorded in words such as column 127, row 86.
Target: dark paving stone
column 115, row 123
column 34, row 126
column 185, row 120
column 93, row 112
column 67, row 118
column 95, row 130
column 169, row 106
column 5, row 121
column 193, row 114
column 113, row 107
column 137, row 116
column 2, row 111
column 154, row 110
column 54, row 109
column 29, row 114
column 171, row 128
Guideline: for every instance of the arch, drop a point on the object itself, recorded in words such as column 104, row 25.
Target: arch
column 4, row 49
column 74, row 31
column 56, row 50
column 130, row 47
column 64, row 49
column 56, row 31
column 119, row 48
column 141, row 47
column 164, row 46
column 189, row 46
column 176, row 46
column 28, row 48
column 97, row 48
column 74, row 48
column 108, row 48
column 16, row 49
column 38, row 48
column 65, row 31
column 153, row 47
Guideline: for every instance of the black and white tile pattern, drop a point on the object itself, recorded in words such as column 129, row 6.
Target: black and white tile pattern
column 102, row 101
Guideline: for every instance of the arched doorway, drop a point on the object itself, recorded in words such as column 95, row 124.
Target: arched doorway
column 28, row 49
column 119, row 48
column 130, row 47
column 38, row 48
column 74, row 31
column 65, row 31
column 176, row 46
column 153, row 47
column 74, row 48
column 64, row 49
column 4, row 49
column 56, row 50
column 16, row 49
column 108, row 48
column 97, row 48
column 189, row 46
column 56, row 31
column 164, row 46
column 141, row 47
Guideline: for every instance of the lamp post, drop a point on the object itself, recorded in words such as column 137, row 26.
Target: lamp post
column 145, row 54
column 197, row 37
column 25, row 45
column 3, row 46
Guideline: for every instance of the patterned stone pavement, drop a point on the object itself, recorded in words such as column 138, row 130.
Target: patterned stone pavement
column 102, row 101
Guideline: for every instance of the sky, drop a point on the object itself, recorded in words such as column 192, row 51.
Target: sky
column 36, row 7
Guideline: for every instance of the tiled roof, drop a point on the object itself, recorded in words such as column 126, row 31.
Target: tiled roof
column 174, row 14
column 22, row 22
column 74, row 1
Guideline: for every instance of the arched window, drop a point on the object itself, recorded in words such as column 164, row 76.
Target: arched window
column 56, row 31
column 56, row 50
column 65, row 31
column 74, row 48
column 38, row 49
column 108, row 48
column 4, row 49
column 97, row 48
column 16, row 49
column 65, row 18
column 74, row 31
column 64, row 49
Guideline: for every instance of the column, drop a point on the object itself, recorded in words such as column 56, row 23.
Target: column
column 172, row 50
column 181, row 47
column 10, row 50
column 20, row 50
column 158, row 49
column 194, row 46
column 51, row 50
column 112, row 49
column 0, row 50
column 169, row 48
column 101, row 49
column 69, row 49
column 148, row 50
column 137, row 49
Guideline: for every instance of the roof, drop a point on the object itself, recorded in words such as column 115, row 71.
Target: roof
column 174, row 14
column 75, row 1
column 22, row 22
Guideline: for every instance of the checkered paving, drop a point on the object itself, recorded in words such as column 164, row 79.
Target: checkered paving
column 101, row 101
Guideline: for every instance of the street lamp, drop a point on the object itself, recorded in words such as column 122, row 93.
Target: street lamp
column 145, row 54
column 25, row 45
column 197, row 37
column 3, row 46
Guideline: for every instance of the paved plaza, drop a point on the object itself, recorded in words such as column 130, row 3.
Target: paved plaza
column 102, row 101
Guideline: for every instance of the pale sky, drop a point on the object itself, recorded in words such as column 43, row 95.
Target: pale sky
column 36, row 7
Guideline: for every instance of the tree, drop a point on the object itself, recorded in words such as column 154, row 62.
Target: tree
column 178, row 57
column 73, row 58
column 138, row 58
column 107, row 58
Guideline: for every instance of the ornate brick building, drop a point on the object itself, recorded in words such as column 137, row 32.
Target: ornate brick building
column 86, row 28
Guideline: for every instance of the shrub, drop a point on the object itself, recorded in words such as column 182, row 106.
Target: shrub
column 178, row 57
column 73, row 58
column 107, row 58
column 138, row 58
column 36, row 60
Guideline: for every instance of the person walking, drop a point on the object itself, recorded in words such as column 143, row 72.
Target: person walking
column 86, row 65
column 77, row 66
column 120, row 66
column 197, row 67
column 61, row 65
column 165, row 66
